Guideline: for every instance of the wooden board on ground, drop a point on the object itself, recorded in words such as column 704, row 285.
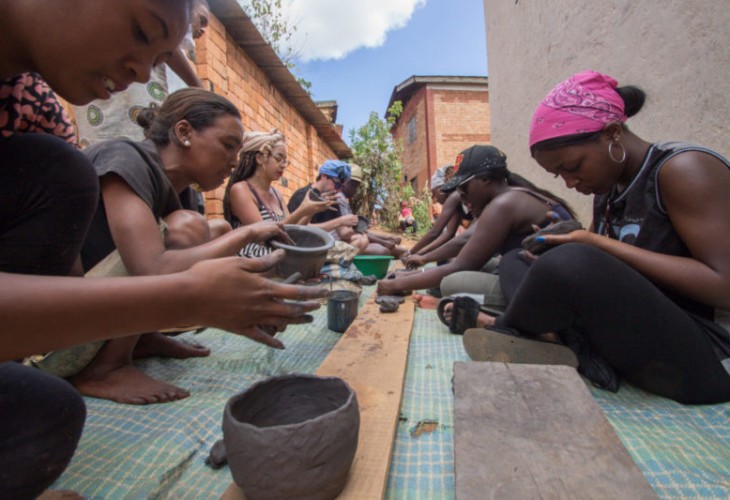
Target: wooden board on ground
column 534, row 431
column 371, row 356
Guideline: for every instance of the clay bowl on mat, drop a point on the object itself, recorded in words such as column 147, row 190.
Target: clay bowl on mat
column 308, row 254
column 373, row 264
column 292, row 436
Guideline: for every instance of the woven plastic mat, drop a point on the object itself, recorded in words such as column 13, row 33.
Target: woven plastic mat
column 158, row 451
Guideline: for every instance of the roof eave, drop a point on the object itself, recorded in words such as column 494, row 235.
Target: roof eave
column 246, row 35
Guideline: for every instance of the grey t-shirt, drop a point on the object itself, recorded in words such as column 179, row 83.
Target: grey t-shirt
column 140, row 166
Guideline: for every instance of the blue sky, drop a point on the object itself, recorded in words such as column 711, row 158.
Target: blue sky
column 432, row 37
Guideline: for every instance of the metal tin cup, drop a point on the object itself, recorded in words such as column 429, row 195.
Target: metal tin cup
column 341, row 309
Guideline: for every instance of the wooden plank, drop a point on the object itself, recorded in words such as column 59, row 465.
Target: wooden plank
column 371, row 356
column 534, row 431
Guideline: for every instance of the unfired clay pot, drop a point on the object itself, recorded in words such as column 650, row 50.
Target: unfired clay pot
column 292, row 436
column 309, row 253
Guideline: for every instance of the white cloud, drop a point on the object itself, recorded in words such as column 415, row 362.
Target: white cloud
column 331, row 29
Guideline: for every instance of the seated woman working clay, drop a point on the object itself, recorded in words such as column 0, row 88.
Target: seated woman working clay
column 250, row 196
column 445, row 226
column 441, row 241
column 506, row 212
column 50, row 191
column 647, row 290
column 194, row 137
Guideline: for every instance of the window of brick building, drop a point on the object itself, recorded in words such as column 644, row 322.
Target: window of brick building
column 412, row 130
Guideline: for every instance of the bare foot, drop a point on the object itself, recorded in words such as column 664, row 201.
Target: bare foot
column 59, row 495
column 126, row 384
column 483, row 319
column 398, row 251
column 157, row 344
column 426, row 301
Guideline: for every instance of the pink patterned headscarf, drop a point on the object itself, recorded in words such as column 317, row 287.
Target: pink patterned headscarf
column 585, row 102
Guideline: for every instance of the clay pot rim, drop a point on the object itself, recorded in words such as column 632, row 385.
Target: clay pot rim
column 329, row 240
column 276, row 378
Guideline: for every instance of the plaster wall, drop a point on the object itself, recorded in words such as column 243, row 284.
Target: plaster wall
column 678, row 51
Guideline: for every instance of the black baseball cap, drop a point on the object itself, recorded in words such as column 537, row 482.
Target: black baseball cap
column 473, row 162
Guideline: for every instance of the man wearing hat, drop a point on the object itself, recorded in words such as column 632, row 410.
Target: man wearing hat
column 367, row 242
column 332, row 176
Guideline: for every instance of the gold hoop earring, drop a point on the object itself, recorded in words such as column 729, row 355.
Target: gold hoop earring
column 610, row 151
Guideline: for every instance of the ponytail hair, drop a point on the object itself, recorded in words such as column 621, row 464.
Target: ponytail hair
column 633, row 98
column 519, row 181
column 200, row 108
column 516, row 180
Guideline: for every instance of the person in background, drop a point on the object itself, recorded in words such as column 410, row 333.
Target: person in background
column 366, row 242
column 444, row 229
column 331, row 177
column 199, row 21
column 438, row 197
column 406, row 219
column 116, row 117
column 50, row 192
column 250, row 196
column 647, row 290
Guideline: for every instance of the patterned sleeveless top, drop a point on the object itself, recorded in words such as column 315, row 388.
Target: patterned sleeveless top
column 259, row 249
column 28, row 105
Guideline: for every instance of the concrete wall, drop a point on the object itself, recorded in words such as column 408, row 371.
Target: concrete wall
column 678, row 51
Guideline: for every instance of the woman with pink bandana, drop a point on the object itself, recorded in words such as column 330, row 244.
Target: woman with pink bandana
column 644, row 295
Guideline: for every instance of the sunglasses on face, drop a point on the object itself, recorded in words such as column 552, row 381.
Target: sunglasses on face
column 463, row 188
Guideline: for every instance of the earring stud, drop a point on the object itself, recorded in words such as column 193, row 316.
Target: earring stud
column 186, row 143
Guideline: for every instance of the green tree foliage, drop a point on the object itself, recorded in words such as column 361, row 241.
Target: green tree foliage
column 275, row 28
column 383, row 184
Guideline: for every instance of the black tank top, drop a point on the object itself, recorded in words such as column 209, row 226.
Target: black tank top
column 637, row 216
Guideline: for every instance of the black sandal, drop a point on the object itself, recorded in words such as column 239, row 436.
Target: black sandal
column 464, row 313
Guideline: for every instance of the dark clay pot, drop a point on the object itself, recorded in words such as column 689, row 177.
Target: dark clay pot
column 309, row 253
column 292, row 436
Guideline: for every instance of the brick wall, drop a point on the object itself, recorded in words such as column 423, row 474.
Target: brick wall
column 233, row 74
column 449, row 119
column 415, row 154
column 461, row 120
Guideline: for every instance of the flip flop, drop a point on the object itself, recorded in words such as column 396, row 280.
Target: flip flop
column 466, row 301
column 464, row 313
column 504, row 346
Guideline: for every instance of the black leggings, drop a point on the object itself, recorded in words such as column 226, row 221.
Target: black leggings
column 41, row 417
column 645, row 336
column 48, row 195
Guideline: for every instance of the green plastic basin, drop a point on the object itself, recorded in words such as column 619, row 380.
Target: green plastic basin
column 373, row 264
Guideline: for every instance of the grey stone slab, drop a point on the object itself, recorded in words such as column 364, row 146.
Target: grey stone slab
column 534, row 431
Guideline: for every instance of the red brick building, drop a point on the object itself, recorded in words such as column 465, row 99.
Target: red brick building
column 235, row 59
column 442, row 115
